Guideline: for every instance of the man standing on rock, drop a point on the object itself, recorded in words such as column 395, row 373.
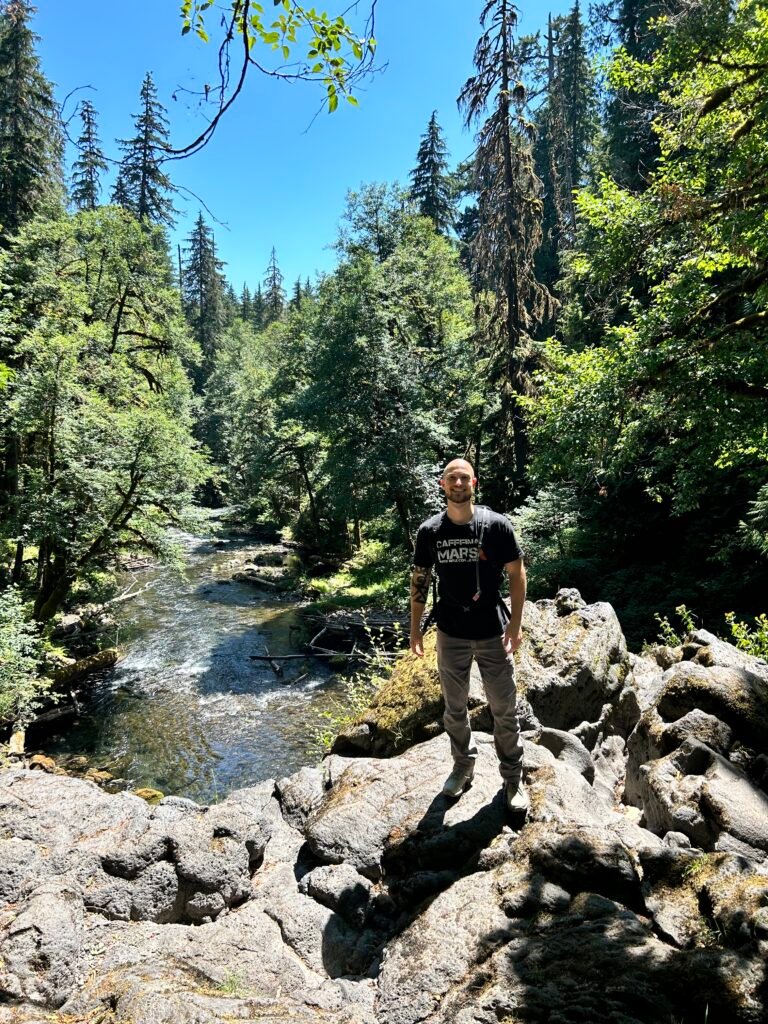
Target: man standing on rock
column 469, row 547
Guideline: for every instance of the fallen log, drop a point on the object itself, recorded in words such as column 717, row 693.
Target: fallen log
column 277, row 669
column 351, row 627
column 254, row 580
column 94, row 663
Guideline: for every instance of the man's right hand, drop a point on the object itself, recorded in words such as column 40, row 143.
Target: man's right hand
column 417, row 643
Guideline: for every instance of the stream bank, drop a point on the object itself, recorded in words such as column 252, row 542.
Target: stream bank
column 192, row 708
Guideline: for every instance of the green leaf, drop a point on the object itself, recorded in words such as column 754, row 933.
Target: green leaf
column 286, row 52
column 333, row 101
column 353, row 101
column 185, row 29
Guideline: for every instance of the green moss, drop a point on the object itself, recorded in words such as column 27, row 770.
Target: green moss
column 409, row 701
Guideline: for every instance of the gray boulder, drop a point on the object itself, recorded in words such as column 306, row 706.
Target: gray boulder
column 701, row 794
column 572, row 662
column 299, row 794
column 40, row 947
column 381, row 812
column 568, row 749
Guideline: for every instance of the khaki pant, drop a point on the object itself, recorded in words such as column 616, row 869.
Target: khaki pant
column 497, row 669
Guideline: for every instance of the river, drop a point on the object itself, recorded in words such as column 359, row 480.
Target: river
column 186, row 710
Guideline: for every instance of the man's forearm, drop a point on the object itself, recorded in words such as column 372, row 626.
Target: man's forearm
column 517, row 589
column 419, row 593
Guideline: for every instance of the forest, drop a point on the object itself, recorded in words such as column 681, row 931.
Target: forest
column 579, row 306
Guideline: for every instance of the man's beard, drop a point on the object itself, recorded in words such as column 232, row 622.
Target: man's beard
column 460, row 499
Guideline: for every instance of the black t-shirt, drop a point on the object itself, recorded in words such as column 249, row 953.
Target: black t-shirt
column 453, row 551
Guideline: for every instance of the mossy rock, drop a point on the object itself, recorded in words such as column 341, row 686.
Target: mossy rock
column 152, row 796
column 733, row 696
column 407, row 708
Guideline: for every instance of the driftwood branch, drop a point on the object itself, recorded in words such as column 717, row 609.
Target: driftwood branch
column 277, row 669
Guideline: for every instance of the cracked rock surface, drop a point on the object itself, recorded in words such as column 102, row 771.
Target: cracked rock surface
column 635, row 891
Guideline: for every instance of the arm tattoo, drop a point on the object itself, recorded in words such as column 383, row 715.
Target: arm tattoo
column 420, row 585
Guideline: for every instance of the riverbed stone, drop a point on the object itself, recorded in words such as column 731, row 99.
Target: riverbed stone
column 379, row 811
column 737, row 696
column 355, row 893
column 701, row 726
column 704, row 648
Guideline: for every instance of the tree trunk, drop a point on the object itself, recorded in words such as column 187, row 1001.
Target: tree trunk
column 18, row 562
column 512, row 415
column 46, row 608
column 402, row 514
column 310, row 495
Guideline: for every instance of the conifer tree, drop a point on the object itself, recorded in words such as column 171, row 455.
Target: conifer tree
column 430, row 183
column 566, row 124
column 632, row 146
column 86, row 187
column 258, row 309
column 142, row 186
column 30, row 131
column 246, row 303
column 298, row 294
column 274, row 293
column 509, row 220
column 203, row 289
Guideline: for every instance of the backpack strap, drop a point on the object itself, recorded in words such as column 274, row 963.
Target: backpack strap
column 433, row 610
column 483, row 524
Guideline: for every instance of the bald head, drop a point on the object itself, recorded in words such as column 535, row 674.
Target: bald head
column 460, row 465
column 458, row 482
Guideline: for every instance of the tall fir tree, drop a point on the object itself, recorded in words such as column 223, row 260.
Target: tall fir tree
column 508, row 229
column 86, row 187
column 258, row 309
column 566, row 123
column 631, row 144
column 203, row 289
column 274, row 293
column 246, row 304
column 430, row 182
column 31, row 179
column 142, row 186
column 298, row 294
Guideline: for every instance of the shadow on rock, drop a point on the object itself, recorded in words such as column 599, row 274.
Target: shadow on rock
column 539, row 938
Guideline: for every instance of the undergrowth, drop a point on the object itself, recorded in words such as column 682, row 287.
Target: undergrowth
column 376, row 666
column 375, row 576
column 750, row 639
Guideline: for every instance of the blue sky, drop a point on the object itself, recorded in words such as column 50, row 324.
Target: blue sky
column 271, row 175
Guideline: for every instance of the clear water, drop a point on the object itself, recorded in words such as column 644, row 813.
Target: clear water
column 186, row 711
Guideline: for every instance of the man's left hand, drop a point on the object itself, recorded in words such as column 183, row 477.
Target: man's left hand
column 512, row 640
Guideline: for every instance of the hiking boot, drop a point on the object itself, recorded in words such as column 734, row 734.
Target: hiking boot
column 516, row 797
column 459, row 780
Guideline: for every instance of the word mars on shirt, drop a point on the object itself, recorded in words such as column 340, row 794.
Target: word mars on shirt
column 457, row 549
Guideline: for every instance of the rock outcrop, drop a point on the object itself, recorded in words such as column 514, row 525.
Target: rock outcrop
column 636, row 891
